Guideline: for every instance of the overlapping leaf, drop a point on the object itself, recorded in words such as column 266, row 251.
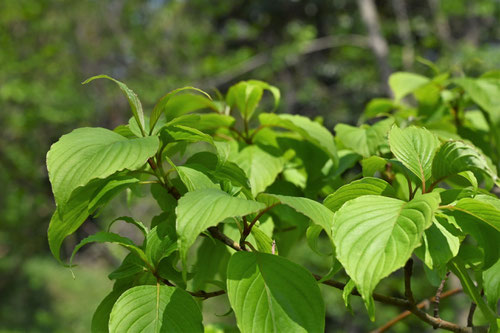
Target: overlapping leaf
column 404, row 83
column 375, row 235
column 200, row 209
column 268, row 293
column 454, row 157
column 365, row 186
column 155, row 309
column 133, row 100
column 308, row 129
column 89, row 153
column 414, row 148
column 260, row 167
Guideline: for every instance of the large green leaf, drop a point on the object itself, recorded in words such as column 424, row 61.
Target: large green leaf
column 155, row 309
column 133, row 100
column 200, row 209
column 404, row 83
column 375, row 235
column 83, row 202
column 308, row 129
column 89, row 153
column 269, row 293
column 260, row 167
column 456, row 156
column 415, row 148
column 364, row 186
column 318, row 213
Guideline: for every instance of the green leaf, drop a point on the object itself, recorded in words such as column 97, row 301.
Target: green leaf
column 404, row 83
column 373, row 164
column 100, row 319
column 364, row 140
column 109, row 237
column 318, row 213
column 264, row 242
column 211, row 259
column 155, row 309
column 163, row 102
column 201, row 209
column 184, row 133
column 365, row 186
column 378, row 106
column 482, row 211
column 458, row 268
column 246, row 95
column 414, row 148
column 260, row 167
column 132, row 221
column 454, row 157
column 130, row 266
column 89, row 153
column 308, row 129
column 474, row 218
column 133, row 100
column 485, row 93
column 439, row 245
column 194, row 179
column 269, row 293
column 347, row 293
column 83, row 202
column 491, row 284
column 375, row 235
column 161, row 242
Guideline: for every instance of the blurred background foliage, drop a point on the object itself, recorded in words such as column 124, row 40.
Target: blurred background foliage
column 328, row 57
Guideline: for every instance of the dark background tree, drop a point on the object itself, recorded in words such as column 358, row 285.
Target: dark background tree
column 327, row 57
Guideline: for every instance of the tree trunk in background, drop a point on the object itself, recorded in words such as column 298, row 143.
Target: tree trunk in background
column 441, row 23
column 404, row 32
column 378, row 43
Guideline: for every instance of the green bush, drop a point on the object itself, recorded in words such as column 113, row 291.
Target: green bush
column 413, row 183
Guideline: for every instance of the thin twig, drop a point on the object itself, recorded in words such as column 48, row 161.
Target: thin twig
column 408, row 272
column 423, row 304
column 248, row 227
column 470, row 316
column 379, row 298
column 217, row 234
column 437, row 297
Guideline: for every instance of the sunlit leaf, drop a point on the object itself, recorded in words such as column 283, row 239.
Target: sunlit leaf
column 155, row 309
column 375, row 235
column 269, row 293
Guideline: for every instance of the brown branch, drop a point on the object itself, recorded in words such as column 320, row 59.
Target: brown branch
column 470, row 316
column 200, row 293
column 411, row 307
column 424, row 304
column 437, row 297
column 379, row 298
column 217, row 234
column 248, row 228
column 408, row 272
column 203, row 294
